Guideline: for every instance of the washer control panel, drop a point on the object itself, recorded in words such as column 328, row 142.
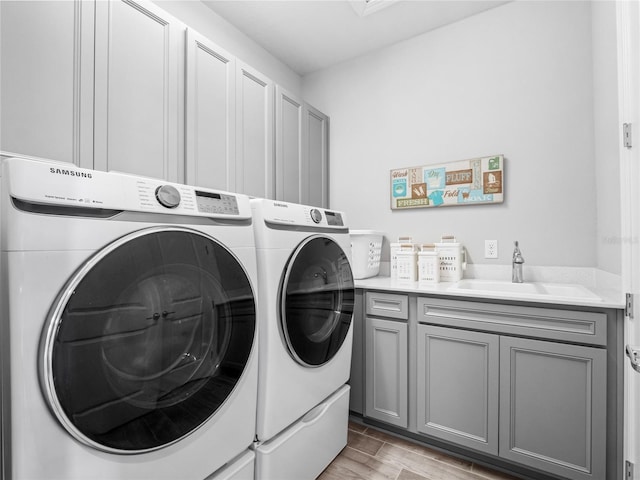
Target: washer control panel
column 214, row 202
column 61, row 184
column 334, row 219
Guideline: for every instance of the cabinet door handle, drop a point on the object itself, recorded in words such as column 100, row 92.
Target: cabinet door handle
column 387, row 305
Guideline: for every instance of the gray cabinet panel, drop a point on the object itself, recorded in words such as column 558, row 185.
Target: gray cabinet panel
column 356, row 380
column 390, row 305
column 458, row 386
column 386, row 371
column 553, row 407
column 552, row 323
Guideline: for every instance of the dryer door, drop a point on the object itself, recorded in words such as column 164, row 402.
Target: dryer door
column 316, row 301
column 148, row 340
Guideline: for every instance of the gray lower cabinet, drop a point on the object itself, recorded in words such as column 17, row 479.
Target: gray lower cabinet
column 458, row 386
column 387, row 371
column 386, row 358
column 356, row 379
column 553, row 407
column 539, row 402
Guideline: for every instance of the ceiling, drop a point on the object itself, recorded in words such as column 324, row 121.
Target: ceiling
column 310, row 35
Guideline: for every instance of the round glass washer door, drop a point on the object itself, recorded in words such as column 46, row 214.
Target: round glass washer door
column 317, row 300
column 148, row 340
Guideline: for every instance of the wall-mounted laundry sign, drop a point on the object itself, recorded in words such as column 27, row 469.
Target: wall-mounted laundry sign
column 465, row 182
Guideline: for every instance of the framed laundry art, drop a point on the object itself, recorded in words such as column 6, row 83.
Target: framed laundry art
column 464, row 182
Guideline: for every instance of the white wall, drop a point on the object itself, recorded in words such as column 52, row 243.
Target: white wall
column 516, row 80
column 607, row 138
column 208, row 23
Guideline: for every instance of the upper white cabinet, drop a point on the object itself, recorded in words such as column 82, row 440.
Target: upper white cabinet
column 315, row 164
column 122, row 85
column 302, row 145
column 46, row 69
column 289, row 122
column 254, row 132
column 209, row 114
column 137, row 89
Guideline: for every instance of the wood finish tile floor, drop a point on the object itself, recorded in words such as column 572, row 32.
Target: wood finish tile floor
column 371, row 454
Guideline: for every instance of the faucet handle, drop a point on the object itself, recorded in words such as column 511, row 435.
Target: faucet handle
column 517, row 254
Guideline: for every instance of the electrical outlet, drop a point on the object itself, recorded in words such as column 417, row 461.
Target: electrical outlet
column 491, row 249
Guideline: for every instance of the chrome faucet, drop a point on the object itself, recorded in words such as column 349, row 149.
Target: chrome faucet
column 516, row 264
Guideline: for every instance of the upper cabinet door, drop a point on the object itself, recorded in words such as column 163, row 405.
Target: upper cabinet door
column 137, row 89
column 209, row 114
column 315, row 171
column 47, row 80
column 289, row 138
column 254, row 133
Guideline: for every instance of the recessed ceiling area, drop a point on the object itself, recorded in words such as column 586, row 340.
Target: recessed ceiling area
column 310, row 35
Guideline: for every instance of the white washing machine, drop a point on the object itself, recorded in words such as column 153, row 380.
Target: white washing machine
column 306, row 296
column 129, row 331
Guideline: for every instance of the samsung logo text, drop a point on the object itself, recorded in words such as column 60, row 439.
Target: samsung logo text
column 71, row 173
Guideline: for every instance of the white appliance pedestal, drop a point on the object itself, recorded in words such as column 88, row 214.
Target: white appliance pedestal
column 304, row 449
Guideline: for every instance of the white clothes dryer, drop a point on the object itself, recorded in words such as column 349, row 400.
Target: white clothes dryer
column 128, row 329
column 306, row 296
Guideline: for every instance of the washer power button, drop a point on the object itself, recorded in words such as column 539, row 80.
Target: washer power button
column 168, row 196
column 316, row 215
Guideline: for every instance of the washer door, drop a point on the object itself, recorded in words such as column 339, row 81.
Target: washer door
column 316, row 303
column 147, row 340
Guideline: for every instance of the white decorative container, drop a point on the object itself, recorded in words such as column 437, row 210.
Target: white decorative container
column 428, row 265
column 403, row 244
column 452, row 259
column 407, row 267
column 366, row 249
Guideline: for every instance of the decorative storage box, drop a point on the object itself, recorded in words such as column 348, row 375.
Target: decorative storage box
column 403, row 244
column 407, row 268
column 428, row 264
column 366, row 248
column 452, row 259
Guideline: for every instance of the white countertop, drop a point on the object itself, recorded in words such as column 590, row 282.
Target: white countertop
column 608, row 296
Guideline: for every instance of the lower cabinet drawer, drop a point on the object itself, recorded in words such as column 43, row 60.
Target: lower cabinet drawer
column 549, row 323
column 390, row 305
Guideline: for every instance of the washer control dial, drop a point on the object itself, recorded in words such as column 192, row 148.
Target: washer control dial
column 168, row 196
column 316, row 215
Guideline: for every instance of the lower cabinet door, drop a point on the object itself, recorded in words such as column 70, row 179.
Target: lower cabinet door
column 553, row 407
column 386, row 376
column 458, row 386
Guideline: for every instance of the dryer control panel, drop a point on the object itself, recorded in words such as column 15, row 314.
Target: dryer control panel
column 65, row 185
column 293, row 214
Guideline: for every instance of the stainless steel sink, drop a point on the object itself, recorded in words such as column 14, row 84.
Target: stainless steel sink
column 560, row 291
